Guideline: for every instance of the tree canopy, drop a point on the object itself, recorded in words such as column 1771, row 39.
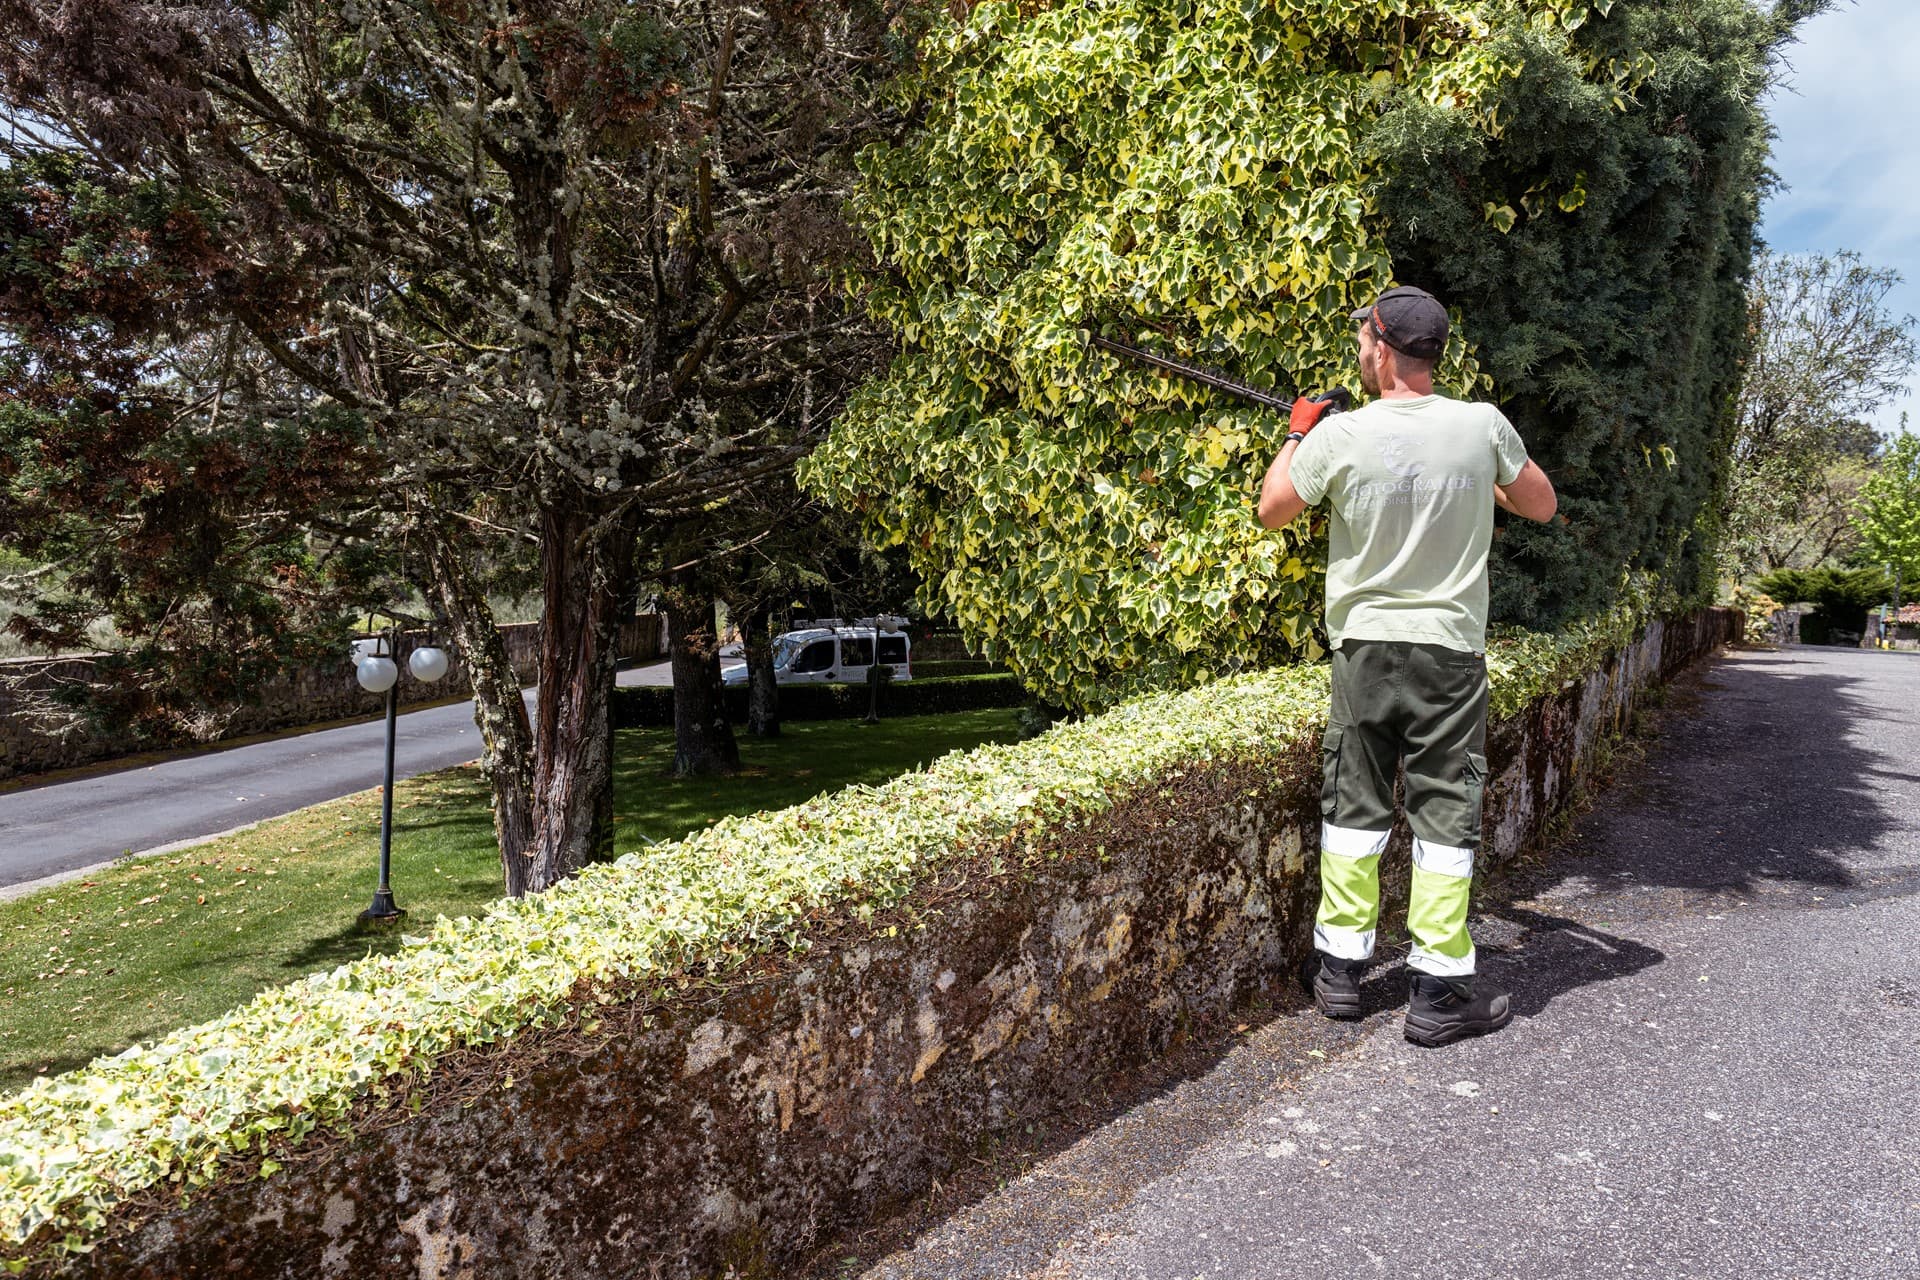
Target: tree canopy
column 538, row 270
column 1827, row 352
column 1887, row 512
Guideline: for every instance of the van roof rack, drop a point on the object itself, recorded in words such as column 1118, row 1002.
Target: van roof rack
column 894, row 620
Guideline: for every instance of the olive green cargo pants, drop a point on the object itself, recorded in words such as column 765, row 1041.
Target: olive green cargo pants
column 1426, row 705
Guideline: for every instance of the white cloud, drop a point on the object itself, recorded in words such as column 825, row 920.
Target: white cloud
column 1844, row 118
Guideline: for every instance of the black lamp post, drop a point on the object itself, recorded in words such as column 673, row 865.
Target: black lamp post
column 876, row 675
column 378, row 673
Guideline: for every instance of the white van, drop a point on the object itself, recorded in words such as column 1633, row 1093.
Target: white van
column 830, row 652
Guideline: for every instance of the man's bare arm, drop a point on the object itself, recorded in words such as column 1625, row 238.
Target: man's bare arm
column 1279, row 503
column 1530, row 495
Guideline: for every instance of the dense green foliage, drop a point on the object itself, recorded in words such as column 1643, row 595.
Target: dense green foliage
column 1577, row 179
column 1887, row 512
column 1840, row 596
column 1614, row 332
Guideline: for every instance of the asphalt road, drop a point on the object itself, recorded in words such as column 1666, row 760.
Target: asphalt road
column 1714, row 1067
column 56, row 828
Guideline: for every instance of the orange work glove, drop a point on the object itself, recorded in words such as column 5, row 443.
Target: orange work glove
column 1307, row 414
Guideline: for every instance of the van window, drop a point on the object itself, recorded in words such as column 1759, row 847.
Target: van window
column 893, row 648
column 817, row 656
column 856, row 651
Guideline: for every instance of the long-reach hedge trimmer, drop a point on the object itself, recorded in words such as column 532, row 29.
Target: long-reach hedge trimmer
column 1339, row 397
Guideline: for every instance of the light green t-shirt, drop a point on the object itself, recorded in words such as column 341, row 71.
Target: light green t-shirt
column 1411, row 482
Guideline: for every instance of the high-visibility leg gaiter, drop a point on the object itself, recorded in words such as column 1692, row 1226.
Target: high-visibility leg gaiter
column 1437, row 910
column 1349, row 892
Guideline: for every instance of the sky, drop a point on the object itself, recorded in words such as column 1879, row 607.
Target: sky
column 1845, row 115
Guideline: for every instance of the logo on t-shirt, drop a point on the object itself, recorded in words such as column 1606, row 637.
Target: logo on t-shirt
column 1410, row 483
column 1395, row 455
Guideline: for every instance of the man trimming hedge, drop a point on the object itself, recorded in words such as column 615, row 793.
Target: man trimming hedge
column 1412, row 477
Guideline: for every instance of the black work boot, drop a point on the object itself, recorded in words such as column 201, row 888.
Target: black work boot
column 1336, row 984
column 1442, row 1010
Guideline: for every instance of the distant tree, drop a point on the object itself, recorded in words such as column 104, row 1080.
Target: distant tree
column 766, row 568
column 1887, row 511
column 1840, row 597
column 805, row 559
column 157, row 467
column 1826, row 353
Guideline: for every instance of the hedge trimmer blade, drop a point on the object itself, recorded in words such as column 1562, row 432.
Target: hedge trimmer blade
column 1213, row 378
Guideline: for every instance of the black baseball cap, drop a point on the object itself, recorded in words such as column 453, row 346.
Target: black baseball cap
column 1409, row 320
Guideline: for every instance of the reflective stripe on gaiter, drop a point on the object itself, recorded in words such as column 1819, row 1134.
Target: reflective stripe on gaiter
column 1351, row 842
column 1442, row 859
column 1437, row 919
column 1345, row 944
column 1438, row 965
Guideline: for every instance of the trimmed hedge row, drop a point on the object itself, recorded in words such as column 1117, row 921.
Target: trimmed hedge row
column 218, row 1099
column 933, row 668
column 651, row 706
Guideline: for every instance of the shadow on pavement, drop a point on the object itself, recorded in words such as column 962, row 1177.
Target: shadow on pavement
column 1762, row 783
column 1536, row 955
column 1762, row 786
column 1561, row 955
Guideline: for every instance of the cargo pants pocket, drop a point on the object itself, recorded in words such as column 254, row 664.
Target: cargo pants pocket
column 1330, row 775
column 1475, row 785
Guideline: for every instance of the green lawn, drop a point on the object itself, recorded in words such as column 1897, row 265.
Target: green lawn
column 92, row 966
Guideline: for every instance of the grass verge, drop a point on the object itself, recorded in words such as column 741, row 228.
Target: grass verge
column 91, row 966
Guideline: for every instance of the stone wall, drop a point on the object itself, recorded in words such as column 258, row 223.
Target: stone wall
column 685, row 1135
column 314, row 695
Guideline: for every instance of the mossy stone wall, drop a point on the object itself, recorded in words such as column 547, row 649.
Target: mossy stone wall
column 742, row 1126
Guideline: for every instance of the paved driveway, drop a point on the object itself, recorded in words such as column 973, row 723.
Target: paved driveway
column 1714, row 1068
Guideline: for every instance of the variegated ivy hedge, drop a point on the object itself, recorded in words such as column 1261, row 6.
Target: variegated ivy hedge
column 296, row 1058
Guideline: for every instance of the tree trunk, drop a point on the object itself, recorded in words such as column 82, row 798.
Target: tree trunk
column 763, row 690
column 584, row 561
column 703, row 741
column 499, row 710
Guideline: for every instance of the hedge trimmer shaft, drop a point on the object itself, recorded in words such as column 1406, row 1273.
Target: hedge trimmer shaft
column 1339, row 397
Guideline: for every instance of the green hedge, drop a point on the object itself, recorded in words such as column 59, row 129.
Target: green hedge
column 934, row 668
column 1842, row 597
column 651, row 707
column 1613, row 322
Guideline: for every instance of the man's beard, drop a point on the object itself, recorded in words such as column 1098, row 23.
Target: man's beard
column 1369, row 376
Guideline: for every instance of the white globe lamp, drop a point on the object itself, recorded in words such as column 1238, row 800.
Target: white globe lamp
column 376, row 674
column 427, row 663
